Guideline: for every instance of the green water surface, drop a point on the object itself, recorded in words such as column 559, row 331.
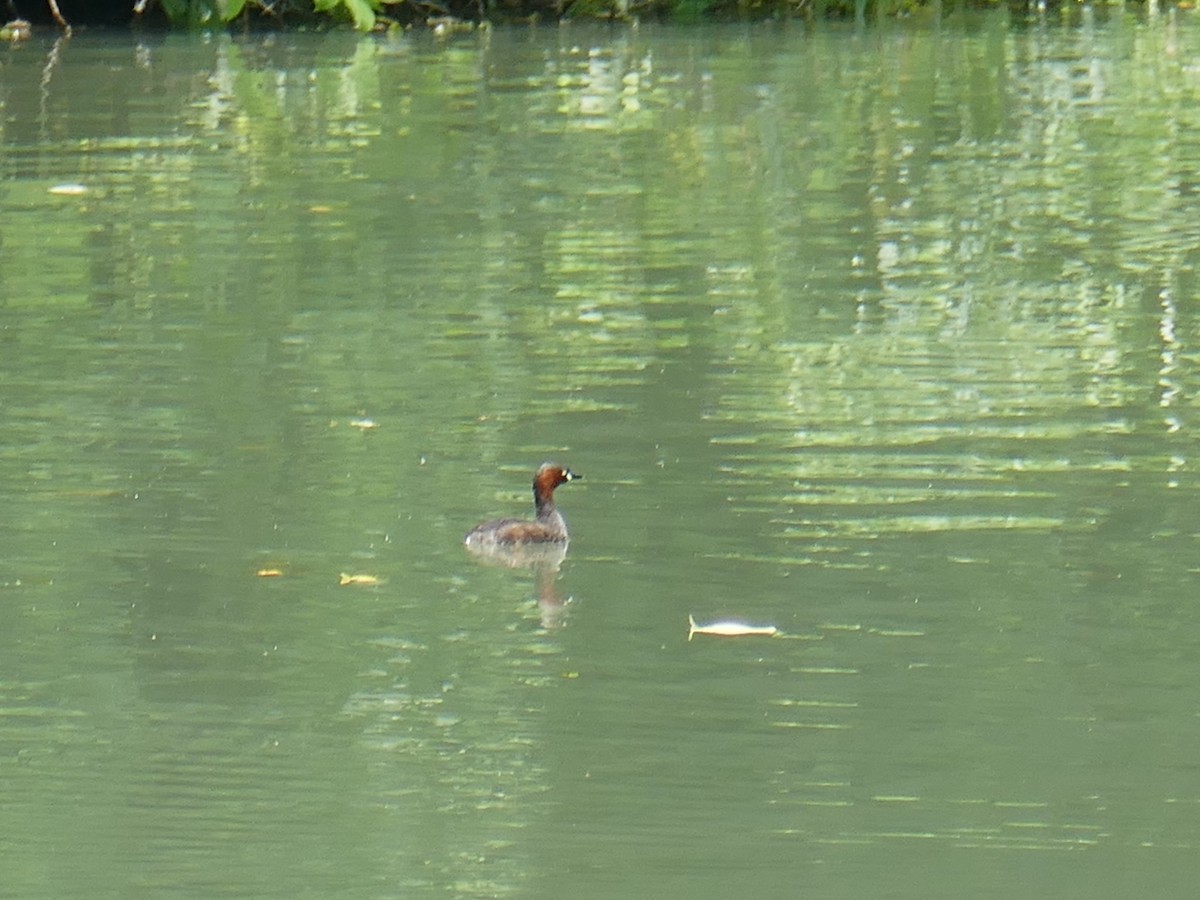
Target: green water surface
column 885, row 337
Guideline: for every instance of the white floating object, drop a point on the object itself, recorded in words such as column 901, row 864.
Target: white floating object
column 69, row 190
column 729, row 628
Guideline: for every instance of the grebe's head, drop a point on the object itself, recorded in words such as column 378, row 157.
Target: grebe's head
column 551, row 475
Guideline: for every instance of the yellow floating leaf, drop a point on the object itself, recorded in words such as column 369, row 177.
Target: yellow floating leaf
column 368, row 580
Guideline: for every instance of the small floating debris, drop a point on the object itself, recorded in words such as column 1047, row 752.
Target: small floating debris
column 362, row 423
column 269, row 573
column 896, row 632
column 729, row 628
column 69, row 190
column 15, row 31
column 363, row 580
column 446, row 25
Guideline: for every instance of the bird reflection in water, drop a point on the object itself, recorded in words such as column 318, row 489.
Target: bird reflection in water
column 544, row 560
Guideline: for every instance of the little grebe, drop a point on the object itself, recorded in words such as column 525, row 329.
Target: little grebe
column 547, row 527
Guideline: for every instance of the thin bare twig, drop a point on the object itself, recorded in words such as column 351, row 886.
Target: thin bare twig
column 58, row 17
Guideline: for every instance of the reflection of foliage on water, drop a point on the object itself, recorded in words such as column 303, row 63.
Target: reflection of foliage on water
column 578, row 183
column 208, row 13
column 454, row 15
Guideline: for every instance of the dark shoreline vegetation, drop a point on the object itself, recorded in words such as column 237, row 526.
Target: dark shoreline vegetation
column 368, row 15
